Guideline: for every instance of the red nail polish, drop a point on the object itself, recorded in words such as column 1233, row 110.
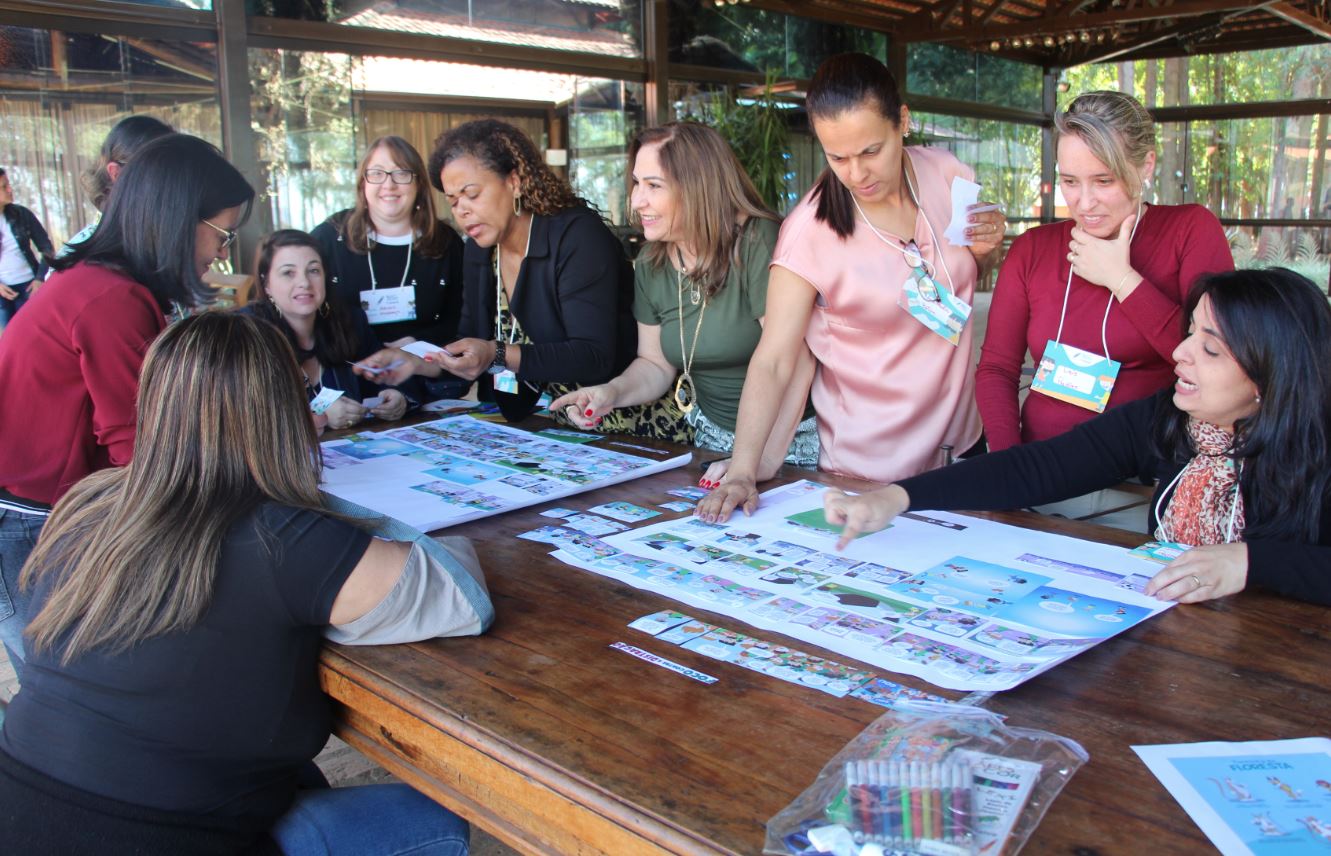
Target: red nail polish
column 702, row 482
column 588, row 413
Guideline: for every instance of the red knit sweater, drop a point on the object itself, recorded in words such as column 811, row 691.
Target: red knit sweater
column 69, row 374
column 1174, row 245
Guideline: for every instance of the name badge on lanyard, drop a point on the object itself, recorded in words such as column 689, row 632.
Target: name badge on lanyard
column 384, row 305
column 1083, row 378
column 928, row 302
column 506, row 381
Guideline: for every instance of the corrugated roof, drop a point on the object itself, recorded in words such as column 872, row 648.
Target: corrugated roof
column 601, row 41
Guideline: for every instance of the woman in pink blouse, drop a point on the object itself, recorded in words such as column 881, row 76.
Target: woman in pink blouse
column 864, row 279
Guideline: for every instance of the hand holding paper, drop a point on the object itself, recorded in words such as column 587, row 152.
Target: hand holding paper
column 980, row 227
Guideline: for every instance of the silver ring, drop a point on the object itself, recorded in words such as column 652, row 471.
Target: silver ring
column 1198, row 580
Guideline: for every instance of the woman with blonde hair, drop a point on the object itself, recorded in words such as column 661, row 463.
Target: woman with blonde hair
column 548, row 289
column 1095, row 300
column 173, row 701
column 701, row 295
column 391, row 255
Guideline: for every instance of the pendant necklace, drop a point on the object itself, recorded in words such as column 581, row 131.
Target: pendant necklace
column 686, row 397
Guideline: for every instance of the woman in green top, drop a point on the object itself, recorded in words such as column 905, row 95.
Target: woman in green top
column 700, row 296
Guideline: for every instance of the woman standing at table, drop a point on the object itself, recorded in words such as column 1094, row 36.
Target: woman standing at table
column 548, row 292
column 325, row 334
column 392, row 256
column 863, row 276
column 1105, row 286
column 172, row 700
column 701, row 293
column 1240, row 447
column 125, row 139
column 69, row 363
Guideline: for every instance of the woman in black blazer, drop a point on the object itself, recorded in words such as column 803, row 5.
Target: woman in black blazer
column 563, row 316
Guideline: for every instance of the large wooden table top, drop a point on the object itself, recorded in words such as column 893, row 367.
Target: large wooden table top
column 541, row 734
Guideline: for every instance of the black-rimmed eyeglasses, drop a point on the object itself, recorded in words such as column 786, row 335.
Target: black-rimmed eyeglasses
column 379, row 176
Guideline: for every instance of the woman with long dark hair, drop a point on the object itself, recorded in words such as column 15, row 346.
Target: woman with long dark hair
column 391, row 255
column 1239, row 445
column 172, row 701
column 864, row 278
column 548, row 289
column 701, row 295
column 327, row 335
column 70, row 361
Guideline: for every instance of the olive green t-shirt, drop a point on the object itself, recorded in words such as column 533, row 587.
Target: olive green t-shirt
column 730, row 328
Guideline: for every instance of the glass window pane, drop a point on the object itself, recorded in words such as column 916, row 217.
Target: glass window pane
column 1004, row 155
column 61, row 93
column 1304, row 249
column 741, row 37
column 947, row 72
column 606, row 27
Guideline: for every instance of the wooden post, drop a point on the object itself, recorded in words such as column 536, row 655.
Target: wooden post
column 233, row 78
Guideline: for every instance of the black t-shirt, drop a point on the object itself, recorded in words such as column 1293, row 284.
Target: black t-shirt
column 438, row 281
column 214, row 720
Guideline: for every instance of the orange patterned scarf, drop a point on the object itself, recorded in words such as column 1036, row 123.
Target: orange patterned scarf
column 1207, row 506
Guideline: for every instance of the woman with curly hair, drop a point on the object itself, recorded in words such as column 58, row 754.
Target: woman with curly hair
column 547, row 289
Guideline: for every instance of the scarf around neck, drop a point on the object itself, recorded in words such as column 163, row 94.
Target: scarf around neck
column 1207, row 506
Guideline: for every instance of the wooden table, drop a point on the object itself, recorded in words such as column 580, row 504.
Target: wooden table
column 554, row 743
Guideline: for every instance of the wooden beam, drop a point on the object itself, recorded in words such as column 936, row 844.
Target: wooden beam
column 172, row 59
column 1043, row 26
column 59, row 56
column 1298, row 17
column 656, row 52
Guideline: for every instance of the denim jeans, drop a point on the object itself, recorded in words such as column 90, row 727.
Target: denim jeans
column 370, row 820
column 9, row 307
column 18, row 535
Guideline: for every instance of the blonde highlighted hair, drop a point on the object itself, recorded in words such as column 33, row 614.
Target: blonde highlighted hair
column 222, row 426
column 714, row 198
column 433, row 236
column 1116, row 128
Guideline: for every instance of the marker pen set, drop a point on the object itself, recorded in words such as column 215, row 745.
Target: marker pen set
column 911, row 805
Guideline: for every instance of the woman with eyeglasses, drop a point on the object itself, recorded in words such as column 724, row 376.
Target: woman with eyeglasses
column 864, row 278
column 69, row 363
column 392, row 256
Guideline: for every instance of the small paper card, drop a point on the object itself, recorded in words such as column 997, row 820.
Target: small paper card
column 372, row 402
column 659, row 622
column 1078, row 377
column 964, row 194
column 625, row 511
column 324, row 399
column 422, row 349
column 938, row 309
column 1163, row 552
column 693, row 493
column 677, row 505
column 374, row 370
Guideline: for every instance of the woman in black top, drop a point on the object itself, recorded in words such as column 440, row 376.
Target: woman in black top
column 171, row 701
column 564, row 313
column 1239, row 445
column 391, row 254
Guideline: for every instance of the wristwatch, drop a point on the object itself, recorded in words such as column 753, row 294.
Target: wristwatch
column 498, row 365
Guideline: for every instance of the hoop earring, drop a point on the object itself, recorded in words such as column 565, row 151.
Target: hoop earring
column 324, row 310
column 517, row 205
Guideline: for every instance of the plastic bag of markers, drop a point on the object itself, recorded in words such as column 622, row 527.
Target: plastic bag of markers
column 931, row 779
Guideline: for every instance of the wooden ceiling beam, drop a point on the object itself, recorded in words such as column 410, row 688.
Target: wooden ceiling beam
column 1046, row 26
column 1300, row 18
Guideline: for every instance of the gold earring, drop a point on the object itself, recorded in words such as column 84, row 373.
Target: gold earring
column 324, row 310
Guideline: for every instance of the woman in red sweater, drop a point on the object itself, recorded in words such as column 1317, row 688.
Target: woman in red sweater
column 1107, row 284
column 69, row 363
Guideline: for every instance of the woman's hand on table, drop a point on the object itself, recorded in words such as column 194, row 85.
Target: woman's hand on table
column 733, row 492
column 1105, row 261
column 986, row 231
column 389, row 367
column 1202, row 573
column 392, row 405
column 344, row 413
column 584, row 407
column 865, row 512
column 716, row 471
column 465, row 358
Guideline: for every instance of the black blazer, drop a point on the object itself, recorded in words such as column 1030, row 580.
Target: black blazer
column 574, row 300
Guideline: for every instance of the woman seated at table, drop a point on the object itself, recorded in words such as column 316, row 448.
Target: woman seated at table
column 1109, row 282
column 701, row 293
column 863, row 277
column 69, row 362
column 325, row 334
column 392, row 256
column 548, row 289
column 172, row 703
column 1240, row 446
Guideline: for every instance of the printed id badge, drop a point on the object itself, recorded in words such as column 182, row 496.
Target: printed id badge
column 1078, row 377
column 506, row 381
column 385, row 305
column 324, row 399
column 934, row 306
column 1163, row 552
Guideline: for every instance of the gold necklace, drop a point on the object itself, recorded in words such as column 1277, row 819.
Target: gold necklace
column 687, row 398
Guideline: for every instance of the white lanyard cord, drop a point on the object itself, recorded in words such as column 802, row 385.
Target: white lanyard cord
column 369, row 260
column 938, row 250
column 1161, row 529
column 1067, row 289
column 501, row 298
